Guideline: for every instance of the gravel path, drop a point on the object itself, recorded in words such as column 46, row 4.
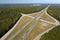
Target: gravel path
column 29, row 30
column 36, row 20
column 20, row 30
column 56, row 24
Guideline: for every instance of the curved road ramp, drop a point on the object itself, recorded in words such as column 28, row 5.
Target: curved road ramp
column 31, row 26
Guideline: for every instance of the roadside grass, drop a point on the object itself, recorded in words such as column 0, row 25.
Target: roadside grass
column 54, row 34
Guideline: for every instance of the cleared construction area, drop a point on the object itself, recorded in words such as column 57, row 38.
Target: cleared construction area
column 31, row 25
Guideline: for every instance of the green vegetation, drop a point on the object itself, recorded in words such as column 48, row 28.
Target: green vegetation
column 10, row 14
column 54, row 34
column 54, row 10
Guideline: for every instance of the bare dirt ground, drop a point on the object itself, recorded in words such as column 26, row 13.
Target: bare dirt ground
column 31, row 25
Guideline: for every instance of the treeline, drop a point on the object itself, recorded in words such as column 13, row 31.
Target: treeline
column 54, row 34
column 54, row 10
